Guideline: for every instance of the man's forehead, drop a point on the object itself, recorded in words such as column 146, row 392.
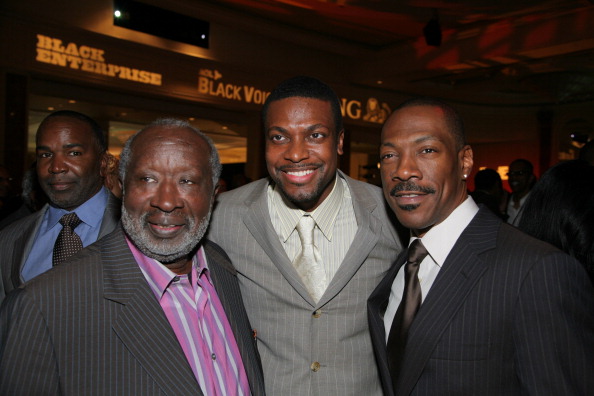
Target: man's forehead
column 161, row 140
column 55, row 127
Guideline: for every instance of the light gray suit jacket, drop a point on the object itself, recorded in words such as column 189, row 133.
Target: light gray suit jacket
column 308, row 348
column 16, row 241
column 506, row 315
column 92, row 326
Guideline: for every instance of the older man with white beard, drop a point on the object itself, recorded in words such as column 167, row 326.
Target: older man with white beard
column 153, row 308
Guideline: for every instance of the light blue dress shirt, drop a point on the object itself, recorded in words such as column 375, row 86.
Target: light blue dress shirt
column 91, row 214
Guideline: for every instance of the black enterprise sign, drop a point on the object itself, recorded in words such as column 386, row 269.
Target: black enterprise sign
column 74, row 56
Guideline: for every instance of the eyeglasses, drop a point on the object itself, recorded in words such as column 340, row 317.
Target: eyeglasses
column 517, row 173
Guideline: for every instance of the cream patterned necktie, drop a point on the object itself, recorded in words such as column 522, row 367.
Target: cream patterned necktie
column 308, row 263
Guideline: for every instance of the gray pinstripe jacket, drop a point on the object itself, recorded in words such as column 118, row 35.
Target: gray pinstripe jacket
column 308, row 348
column 92, row 326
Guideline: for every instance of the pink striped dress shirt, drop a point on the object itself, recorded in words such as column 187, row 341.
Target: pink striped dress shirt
column 200, row 324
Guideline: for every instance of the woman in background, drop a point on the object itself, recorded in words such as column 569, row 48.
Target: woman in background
column 560, row 210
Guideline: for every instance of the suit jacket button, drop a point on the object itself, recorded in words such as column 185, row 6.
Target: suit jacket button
column 315, row 366
column 317, row 313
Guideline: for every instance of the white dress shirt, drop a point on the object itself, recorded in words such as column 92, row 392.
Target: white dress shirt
column 438, row 241
column 335, row 228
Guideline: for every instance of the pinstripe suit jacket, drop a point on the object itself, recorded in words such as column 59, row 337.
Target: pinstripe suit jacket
column 507, row 315
column 308, row 348
column 16, row 241
column 92, row 326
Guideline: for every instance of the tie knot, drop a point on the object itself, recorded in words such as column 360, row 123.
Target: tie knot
column 305, row 229
column 416, row 252
column 70, row 220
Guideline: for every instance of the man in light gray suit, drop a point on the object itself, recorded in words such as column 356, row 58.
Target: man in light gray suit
column 150, row 309
column 489, row 310
column 307, row 302
column 70, row 168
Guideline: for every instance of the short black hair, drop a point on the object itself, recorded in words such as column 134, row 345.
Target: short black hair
column 97, row 131
column 525, row 162
column 452, row 117
column 305, row 87
column 486, row 179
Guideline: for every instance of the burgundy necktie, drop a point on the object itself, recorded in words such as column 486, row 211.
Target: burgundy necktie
column 68, row 242
column 411, row 301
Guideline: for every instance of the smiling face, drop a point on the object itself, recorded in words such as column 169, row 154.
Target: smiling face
column 520, row 178
column 302, row 148
column 422, row 169
column 168, row 194
column 69, row 161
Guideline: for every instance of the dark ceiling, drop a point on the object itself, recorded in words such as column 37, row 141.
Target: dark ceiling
column 521, row 52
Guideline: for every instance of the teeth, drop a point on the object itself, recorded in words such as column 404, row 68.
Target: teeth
column 300, row 173
column 409, row 195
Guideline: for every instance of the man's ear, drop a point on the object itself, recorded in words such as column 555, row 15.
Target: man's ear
column 340, row 142
column 104, row 164
column 467, row 160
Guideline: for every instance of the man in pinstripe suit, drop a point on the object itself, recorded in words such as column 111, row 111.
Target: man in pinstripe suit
column 152, row 308
column 71, row 152
column 501, row 313
column 313, row 338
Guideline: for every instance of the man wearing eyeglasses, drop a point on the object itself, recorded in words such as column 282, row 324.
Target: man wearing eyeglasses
column 521, row 179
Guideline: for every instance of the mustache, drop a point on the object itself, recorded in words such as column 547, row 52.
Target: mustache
column 56, row 179
column 410, row 186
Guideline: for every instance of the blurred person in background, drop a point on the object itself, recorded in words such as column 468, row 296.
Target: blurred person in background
column 9, row 202
column 32, row 195
column 521, row 179
column 488, row 190
column 560, row 210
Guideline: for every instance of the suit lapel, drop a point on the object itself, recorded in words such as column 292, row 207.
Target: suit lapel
column 368, row 230
column 142, row 325
column 23, row 245
column 458, row 276
column 257, row 221
column 224, row 278
column 111, row 216
column 377, row 304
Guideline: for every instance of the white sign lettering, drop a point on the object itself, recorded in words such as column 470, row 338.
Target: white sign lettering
column 81, row 57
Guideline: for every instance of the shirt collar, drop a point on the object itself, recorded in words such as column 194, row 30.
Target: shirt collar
column 440, row 239
column 324, row 215
column 87, row 212
column 159, row 276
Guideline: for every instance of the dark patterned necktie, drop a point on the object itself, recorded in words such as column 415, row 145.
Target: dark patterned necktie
column 411, row 301
column 68, row 242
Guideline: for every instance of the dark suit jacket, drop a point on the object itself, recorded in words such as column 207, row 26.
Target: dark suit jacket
column 92, row 326
column 16, row 241
column 507, row 315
